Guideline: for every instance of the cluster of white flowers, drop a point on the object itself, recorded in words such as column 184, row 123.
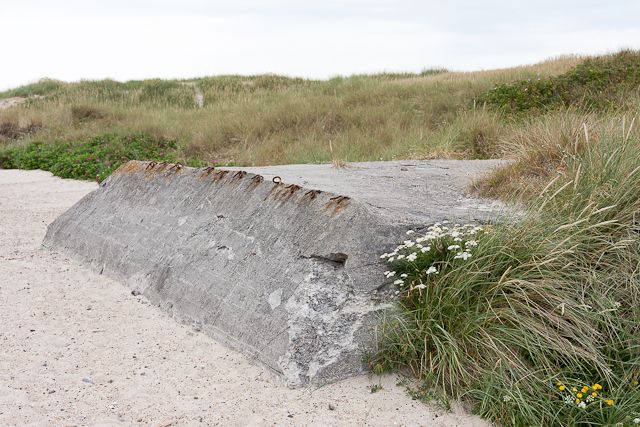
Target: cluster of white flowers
column 463, row 237
column 459, row 233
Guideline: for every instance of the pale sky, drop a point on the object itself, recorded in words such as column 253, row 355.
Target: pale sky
column 137, row 39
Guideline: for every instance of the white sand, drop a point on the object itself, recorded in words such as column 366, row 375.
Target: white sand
column 77, row 348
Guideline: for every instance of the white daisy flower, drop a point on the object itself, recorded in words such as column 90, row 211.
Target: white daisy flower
column 463, row 256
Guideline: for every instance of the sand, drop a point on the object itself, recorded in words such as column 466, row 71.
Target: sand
column 77, row 348
column 10, row 102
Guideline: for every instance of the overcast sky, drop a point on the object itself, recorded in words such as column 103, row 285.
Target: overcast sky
column 136, row 39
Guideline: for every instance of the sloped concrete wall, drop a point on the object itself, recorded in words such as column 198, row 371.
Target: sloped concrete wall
column 290, row 276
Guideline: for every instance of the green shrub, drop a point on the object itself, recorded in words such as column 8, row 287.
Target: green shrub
column 514, row 316
column 41, row 87
column 97, row 157
column 596, row 83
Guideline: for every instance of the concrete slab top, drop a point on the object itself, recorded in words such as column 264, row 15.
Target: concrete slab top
column 409, row 191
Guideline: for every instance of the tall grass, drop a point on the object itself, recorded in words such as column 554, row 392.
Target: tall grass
column 258, row 120
column 549, row 302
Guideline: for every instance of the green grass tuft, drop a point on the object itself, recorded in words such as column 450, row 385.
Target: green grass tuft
column 39, row 88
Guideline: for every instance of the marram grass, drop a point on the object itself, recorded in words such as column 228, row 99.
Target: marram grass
column 537, row 322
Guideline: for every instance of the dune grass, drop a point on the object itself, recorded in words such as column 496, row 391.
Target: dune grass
column 514, row 317
column 260, row 120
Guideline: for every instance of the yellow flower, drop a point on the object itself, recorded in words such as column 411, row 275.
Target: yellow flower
column 562, row 388
column 574, row 389
column 597, row 386
column 579, row 395
column 578, row 401
column 559, row 383
column 594, row 394
column 635, row 382
column 585, row 389
column 609, row 402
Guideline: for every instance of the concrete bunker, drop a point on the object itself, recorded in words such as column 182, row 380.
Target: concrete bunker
column 281, row 263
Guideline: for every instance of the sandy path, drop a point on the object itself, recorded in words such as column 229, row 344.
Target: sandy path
column 77, row 348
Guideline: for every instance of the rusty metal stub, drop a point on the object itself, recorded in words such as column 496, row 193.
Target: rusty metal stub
column 176, row 167
column 255, row 181
column 207, row 171
column 311, row 195
column 239, row 175
column 220, row 174
column 338, row 203
column 289, row 191
column 151, row 165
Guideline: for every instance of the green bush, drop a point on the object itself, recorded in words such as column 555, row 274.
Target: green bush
column 41, row 87
column 99, row 156
column 517, row 315
column 596, row 83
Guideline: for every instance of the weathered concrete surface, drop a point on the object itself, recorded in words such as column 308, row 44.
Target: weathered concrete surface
column 289, row 276
column 412, row 192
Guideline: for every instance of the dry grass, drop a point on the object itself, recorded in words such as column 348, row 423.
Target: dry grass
column 275, row 120
column 540, row 147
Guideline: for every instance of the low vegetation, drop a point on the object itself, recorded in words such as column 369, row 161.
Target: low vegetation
column 596, row 83
column 537, row 322
column 267, row 119
column 534, row 322
column 95, row 158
